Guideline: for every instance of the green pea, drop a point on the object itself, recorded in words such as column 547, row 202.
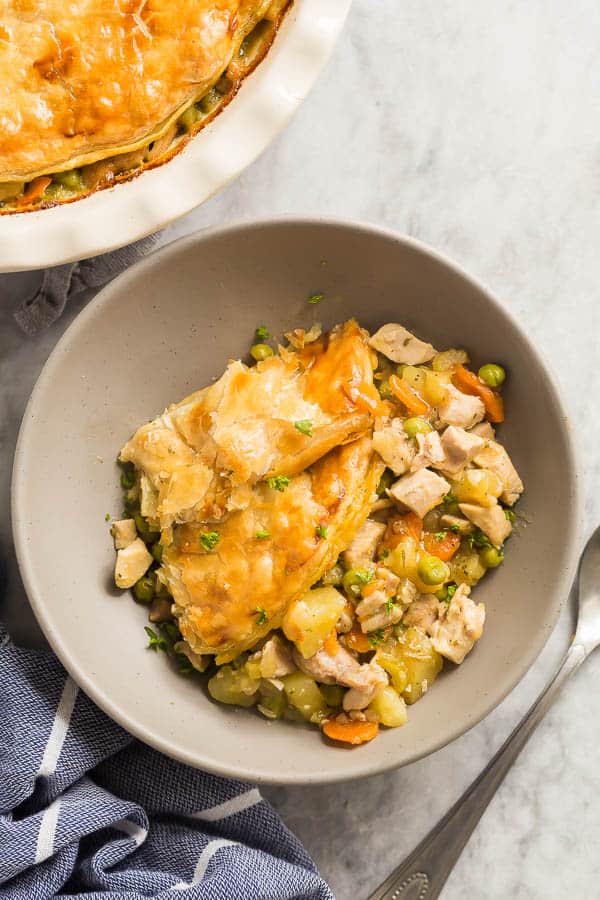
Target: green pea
column 415, row 425
column 333, row 693
column 386, row 481
column 71, row 179
column 260, row 351
column 157, row 551
column 432, row 570
column 492, row 374
column 491, row 557
column 144, row 529
column 188, row 119
column 354, row 579
column 128, row 478
column 144, row 589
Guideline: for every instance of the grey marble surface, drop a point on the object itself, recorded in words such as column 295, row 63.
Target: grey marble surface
column 475, row 127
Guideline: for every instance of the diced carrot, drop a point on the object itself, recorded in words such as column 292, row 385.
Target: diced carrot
column 371, row 587
column 445, row 548
column 470, row 383
column 357, row 640
column 34, row 190
column 409, row 524
column 350, row 732
column 407, row 395
column 331, row 645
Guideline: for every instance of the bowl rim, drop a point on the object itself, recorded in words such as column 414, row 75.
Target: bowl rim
column 563, row 585
column 131, row 210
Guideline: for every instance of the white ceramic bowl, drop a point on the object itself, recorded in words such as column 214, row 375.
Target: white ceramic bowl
column 168, row 326
column 133, row 209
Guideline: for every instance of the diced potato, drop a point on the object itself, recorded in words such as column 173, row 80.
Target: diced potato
column 389, row 708
column 444, row 362
column 436, row 383
column 133, row 561
column 271, row 702
column 233, row 686
column 478, row 486
column 466, row 566
column 415, row 376
column 404, row 558
column 124, row 533
column 423, row 663
column 310, row 620
column 303, row 695
column 253, row 668
column 404, row 561
column 389, row 657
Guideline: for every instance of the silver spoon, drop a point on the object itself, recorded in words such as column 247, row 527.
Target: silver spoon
column 424, row 873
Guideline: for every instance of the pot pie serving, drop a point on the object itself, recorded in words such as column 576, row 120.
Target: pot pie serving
column 94, row 92
column 307, row 530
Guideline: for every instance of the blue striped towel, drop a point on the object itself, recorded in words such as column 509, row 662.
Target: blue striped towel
column 87, row 811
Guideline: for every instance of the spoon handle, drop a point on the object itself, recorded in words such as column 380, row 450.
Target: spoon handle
column 423, row 874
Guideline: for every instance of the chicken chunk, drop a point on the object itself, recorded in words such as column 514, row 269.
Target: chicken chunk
column 420, row 491
column 359, row 699
column 124, row 533
column 495, row 458
column 459, row 448
column 342, row 669
column 399, row 345
column 429, row 453
column 460, row 409
column 133, row 561
column 406, row 593
column 375, row 610
column 490, row 519
column 484, row 430
column 362, row 550
column 393, row 445
column 276, row 659
column 460, row 624
column 456, row 524
column 422, row 613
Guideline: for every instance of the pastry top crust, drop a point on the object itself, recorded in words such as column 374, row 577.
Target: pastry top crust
column 81, row 80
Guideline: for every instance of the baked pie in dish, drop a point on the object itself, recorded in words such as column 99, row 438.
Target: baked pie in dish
column 93, row 92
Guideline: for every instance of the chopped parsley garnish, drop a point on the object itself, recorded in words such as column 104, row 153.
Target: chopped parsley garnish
column 389, row 605
column 209, row 539
column 305, row 426
column 385, row 552
column 479, row 539
column 449, row 498
column 107, row 517
column 171, row 631
column 278, row 482
column 455, row 529
column 364, row 576
column 440, row 535
column 262, row 333
column 315, row 298
column 262, row 615
column 156, row 641
column 321, row 531
column 263, row 534
column 451, row 592
column 509, row 515
column 376, row 637
column 185, row 667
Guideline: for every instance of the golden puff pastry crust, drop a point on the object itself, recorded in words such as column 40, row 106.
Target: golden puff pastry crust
column 84, row 80
column 202, row 456
column 228, row 598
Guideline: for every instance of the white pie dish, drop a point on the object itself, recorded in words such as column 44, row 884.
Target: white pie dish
column 166, row 327
column 128, row 211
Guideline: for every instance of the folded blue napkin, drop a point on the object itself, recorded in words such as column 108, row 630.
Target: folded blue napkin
column 87, row 811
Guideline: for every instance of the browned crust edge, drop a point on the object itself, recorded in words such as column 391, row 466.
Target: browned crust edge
column 178, row 145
